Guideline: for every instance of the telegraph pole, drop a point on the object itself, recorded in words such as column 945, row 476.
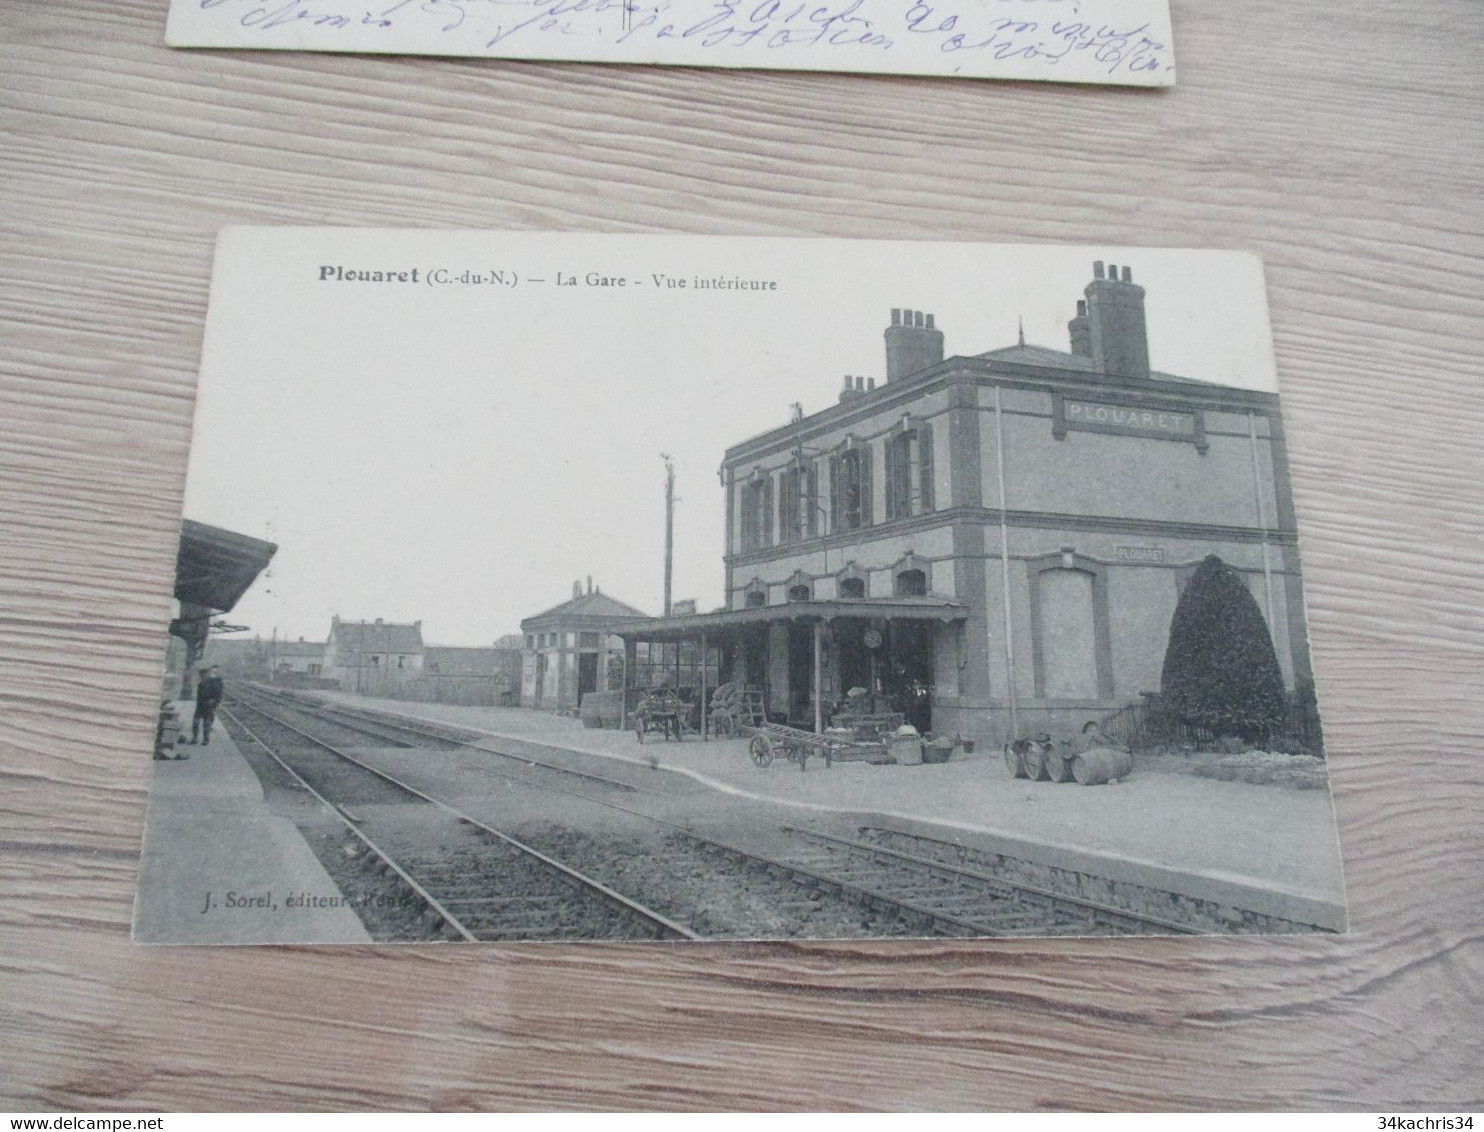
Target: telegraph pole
column 669, row 524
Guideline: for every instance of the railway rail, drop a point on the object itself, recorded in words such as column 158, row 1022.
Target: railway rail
column 805, row 882
column 396, row 733
column 475, row 882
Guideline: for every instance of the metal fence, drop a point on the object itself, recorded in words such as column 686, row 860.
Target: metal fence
column 1152, row 723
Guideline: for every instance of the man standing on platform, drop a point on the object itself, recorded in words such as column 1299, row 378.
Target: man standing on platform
column 208, row 696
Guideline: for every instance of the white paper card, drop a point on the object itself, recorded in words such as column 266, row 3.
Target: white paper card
column 555, row 586
column 1123, row 42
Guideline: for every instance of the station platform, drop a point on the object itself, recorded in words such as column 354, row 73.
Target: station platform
column 1262, row 847
column 220, row 866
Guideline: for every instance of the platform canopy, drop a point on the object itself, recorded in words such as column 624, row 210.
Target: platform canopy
column 874, row 609
column 214, row 567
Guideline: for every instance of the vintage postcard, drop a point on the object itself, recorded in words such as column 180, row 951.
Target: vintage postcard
column 1123, row 42
column 570, row 587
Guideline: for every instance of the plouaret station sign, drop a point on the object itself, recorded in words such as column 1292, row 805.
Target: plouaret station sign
column 1128, row 420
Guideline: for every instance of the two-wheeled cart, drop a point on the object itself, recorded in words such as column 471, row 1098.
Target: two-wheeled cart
column 661, row 713
column 769, row 740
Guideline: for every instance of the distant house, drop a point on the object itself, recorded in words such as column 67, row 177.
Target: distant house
column 301, row 657
column 265, row 658
column 373, row 657
column 571, row 649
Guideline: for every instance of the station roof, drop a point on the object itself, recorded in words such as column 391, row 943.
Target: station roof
column 214, row 567
column 595, row 606
column 875, row 609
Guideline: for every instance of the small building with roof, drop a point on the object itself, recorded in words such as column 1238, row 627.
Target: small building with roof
column 572, row 649
column 373, row 657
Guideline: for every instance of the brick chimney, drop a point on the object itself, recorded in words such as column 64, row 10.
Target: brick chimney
column 1080, row 331
column 577, row 589
column 912, row 344
column 1115, row 315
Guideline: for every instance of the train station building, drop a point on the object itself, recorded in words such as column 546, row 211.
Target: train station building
column 995, row 542
column 571, row 649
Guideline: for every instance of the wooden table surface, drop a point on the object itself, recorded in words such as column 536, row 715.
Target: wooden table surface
column 1340, row 141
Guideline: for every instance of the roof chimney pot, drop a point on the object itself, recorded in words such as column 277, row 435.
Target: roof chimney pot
column 1113, row 329
column 912, row 345
column 1097, row 269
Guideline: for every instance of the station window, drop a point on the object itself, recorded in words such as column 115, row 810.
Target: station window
column 375, row 661
column 676, row 664
column 401, row 662
column 798, row 593
column 909, row 473
column 852, row 588
column 530, row 640
column 756, row 599
column 757, row 512
column 850, row 492
column 910, row 583
column 799, row 487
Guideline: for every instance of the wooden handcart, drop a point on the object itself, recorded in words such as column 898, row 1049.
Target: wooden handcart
column 661, row 712
column 798, row 746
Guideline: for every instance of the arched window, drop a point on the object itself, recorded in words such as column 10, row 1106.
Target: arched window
column 910, row 583
column 798, row 593
column 756, row 599
column 852, row 588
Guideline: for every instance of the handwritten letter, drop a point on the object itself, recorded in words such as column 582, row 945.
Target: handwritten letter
column 1125, row 42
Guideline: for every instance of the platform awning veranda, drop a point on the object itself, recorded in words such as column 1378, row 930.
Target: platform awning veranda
column 213, row 569
column 869, row 609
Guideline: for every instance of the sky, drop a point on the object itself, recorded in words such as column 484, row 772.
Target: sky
column 460, row 452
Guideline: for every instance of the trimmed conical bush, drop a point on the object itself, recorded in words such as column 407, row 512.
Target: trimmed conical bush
column 1220, row 670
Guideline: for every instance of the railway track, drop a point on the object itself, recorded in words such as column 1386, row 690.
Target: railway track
column 409, row 733
column 807, row 883
column 988, row 904
column 456, row 877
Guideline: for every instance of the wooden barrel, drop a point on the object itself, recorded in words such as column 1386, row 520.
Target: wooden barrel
column 1033, row 759
column 1101, row 764
column 1058, row 764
